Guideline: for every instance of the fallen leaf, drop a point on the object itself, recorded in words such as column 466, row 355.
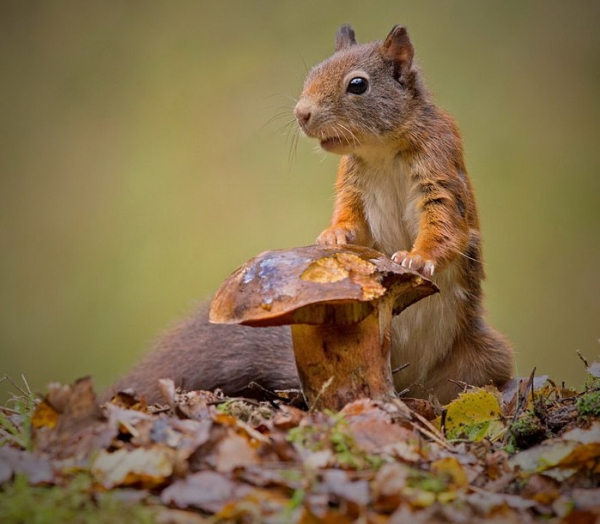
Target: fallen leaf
column 388, row 485
column 271, row 505
column 337, row 483
column 44, row 416
column 474, row 415
column 580, row 517
column 288, row 417
column 235, row 451
column 590, row 435
column 377, row 435
column 36, row 468
column 206, row 490
column 586, row 499
column 543, row 456
column 594, row 369
column 148, row 467
column 451, row 472
column 486, row 502
column 517, row 389
column 541, row 488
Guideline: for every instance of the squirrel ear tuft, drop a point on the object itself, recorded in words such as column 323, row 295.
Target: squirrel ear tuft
column 397, row 47
column 345, row 37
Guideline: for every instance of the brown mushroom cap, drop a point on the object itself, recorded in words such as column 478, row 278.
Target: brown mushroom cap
column 314, row 285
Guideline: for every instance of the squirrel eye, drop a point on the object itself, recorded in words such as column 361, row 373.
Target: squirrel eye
column 357, row 86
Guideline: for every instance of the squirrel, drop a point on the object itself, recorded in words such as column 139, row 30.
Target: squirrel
column 402, row 188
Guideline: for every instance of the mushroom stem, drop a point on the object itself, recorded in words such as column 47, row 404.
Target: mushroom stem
column 354, row 357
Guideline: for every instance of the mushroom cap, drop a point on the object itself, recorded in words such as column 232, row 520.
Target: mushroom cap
column 315, row 285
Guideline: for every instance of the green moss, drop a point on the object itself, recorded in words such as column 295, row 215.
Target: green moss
column 21, row 503
column 588, row 405
column 526, row 431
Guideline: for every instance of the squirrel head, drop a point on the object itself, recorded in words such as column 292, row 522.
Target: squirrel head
column 363, row 95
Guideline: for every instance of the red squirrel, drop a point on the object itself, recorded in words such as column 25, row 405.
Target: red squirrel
column 402, row 188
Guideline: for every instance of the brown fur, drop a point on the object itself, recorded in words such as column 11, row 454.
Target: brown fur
column 200, row 355
column 402, row 187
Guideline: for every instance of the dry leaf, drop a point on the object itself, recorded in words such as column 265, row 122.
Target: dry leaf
column 474, row 415
column 36, row 468
column 207, row 490
column 147, row 467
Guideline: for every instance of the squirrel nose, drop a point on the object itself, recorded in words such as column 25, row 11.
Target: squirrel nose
column 303, row 112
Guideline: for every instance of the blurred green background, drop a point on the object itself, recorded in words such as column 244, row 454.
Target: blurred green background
column 144, row 157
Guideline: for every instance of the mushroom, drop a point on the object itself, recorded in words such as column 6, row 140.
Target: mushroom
column 339, row 301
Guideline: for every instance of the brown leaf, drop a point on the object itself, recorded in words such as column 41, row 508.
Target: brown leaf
column 288, row 417
column 517, row 389
column 36, row 468
column 195, row 404
column 586, row 499
column 590, row 435
column 148, row 467
column 486, row 502
column 365, row 409
column 594, row 369
column 580, row 517
column 206, row 490
column 541, row 488
column 375, row 436
column 81, row 426
column 236, row 451
column 291, row 478
column 388, row 485
column 177, row 516
column 374, row 431
column 422, row 407
column 167, row 389
column 544, row 457
column 127, row 421
column 340, row 487
column 268, row 505
column 128, row 400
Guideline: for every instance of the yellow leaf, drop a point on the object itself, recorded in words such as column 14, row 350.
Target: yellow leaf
column 451, row 471
column 474, row 415
column 45, row 416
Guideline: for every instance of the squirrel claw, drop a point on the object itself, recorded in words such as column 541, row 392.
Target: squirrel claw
column 335, row 236
column 415, row 262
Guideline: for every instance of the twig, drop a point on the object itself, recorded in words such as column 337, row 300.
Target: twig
column 432, row 432
column 521, row 400
column 400, row 368
column 583, row 359
column 324, row 388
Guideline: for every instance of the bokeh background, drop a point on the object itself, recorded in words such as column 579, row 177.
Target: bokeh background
column 144, row 156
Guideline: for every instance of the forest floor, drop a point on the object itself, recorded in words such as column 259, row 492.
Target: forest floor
column 530, row 453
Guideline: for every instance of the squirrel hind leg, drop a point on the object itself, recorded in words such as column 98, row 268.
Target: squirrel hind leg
column 481, row 358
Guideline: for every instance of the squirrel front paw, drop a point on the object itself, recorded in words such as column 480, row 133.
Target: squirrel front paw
column 338, row 235
column 415, row 261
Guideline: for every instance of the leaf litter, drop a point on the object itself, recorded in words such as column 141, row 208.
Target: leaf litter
column 528, row 454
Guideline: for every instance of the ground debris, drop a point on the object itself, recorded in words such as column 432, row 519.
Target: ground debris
column 528, row 454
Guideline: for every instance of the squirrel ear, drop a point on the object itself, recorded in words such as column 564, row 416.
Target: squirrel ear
column 344, row 38
column 397, row 47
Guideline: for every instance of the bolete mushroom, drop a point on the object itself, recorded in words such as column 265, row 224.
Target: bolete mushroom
column 339, row 301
